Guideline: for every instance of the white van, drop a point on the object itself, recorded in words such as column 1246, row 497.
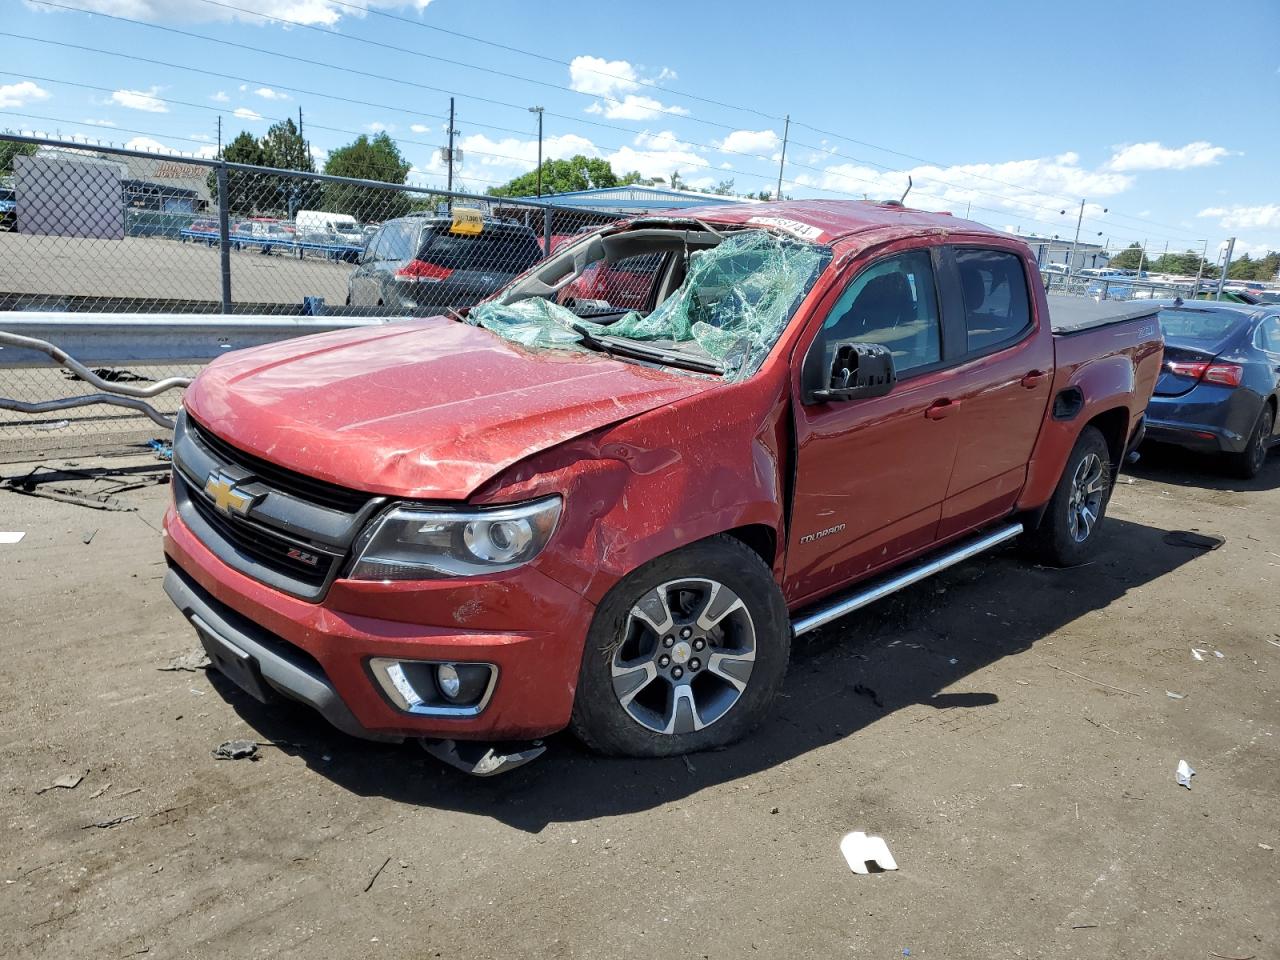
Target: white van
column 333, row 226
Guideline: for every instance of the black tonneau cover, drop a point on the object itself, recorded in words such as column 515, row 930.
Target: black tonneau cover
column 1068, row 315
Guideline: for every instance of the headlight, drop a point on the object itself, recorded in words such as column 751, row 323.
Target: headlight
column 421, row 543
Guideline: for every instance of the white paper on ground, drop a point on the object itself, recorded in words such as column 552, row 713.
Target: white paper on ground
column 859, row 850
column 11, row 537
column 1184, row 774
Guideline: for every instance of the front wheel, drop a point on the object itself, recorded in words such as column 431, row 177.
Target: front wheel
column 1068, row 532
column 684, row 654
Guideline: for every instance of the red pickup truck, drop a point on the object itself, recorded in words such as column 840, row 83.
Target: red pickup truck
column 489, row 528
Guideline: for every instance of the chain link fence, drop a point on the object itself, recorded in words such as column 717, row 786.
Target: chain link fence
column 108, row 230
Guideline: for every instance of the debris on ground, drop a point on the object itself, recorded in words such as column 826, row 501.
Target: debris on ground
column 89, row 535
column 12, row 536
column 236, row 750
column 190, row 662
column 1265, row 846
column 1184, row 774
column 483, row 759
column 1198, row 541
column 866, row 854
column 53, row 425
column 1198, row 654
column 100, row 791
column 68, row 781
column 163, row 449
column 113, row 822
column 1175, row 696
column 369, row 886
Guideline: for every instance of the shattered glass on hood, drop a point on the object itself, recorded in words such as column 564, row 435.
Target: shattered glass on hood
column 733, row 304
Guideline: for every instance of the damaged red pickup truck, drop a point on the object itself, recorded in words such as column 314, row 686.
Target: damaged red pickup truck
column 552, row 513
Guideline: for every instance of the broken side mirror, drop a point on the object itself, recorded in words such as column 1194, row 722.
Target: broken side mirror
column 858, row 371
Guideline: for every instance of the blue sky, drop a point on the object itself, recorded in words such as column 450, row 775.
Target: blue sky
column 1167, row 115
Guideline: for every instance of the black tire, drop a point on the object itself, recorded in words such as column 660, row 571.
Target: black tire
column 1058, row 541
column 1249, row 461
column 600, row 719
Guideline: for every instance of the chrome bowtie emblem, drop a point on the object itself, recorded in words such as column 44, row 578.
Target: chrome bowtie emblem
column 226, row 498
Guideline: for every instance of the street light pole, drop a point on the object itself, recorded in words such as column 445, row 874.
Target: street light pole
column 1071, row 263
column 1226, row 265
column 538, row 111
column 782, row 159
column 1200, row 270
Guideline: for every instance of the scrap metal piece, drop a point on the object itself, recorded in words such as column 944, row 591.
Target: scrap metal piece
column 236, row 750
column 864, row 853
column 68, row 781
column 482, row 759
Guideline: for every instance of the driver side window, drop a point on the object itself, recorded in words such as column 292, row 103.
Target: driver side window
column 892, row 303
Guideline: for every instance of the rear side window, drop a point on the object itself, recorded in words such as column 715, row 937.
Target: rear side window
column 373, row 252
column 397, row 241
column 892, row 303
column 499, row 250
column 995, row 297
column 1269, row 335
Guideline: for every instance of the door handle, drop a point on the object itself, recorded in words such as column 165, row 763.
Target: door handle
column 941, row 408
column 1032, row 379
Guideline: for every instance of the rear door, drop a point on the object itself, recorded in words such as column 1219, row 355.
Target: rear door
column 871, row 474
column 362, row 284
column 1001, row 386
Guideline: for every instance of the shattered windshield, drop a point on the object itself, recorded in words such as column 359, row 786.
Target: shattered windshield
column 734, row 300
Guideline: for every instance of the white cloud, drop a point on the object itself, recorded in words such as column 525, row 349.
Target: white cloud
column 752, row 142
column 220, row 97
column 199, row 136
column 378, row 126
column 266, row 93
column 634, row 107
column 519, row 156
column 145, row 100
column 22, row 93
column 148, row 144
column 100, row 123
column 322, row 12
column 602, row 78
column 1016, row 186
column 244, row 113
column 419, row 128
column 1245, row 218
column 1154, row 155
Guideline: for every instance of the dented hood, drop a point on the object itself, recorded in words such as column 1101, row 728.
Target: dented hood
column 424, row 408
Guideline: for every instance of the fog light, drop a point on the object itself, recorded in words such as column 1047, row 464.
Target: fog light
column 428, row 688
column 450, row 682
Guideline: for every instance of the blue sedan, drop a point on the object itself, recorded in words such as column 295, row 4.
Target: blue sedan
column 1220, row 385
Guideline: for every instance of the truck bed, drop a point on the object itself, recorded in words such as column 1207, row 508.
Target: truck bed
column 1068, row 315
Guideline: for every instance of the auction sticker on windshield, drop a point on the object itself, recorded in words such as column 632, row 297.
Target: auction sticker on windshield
column 794, row 227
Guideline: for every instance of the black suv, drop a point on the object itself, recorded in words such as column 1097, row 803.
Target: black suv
column 428, row 262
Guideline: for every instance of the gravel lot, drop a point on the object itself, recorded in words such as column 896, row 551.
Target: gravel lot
column 144, row 268
column 1005, row 728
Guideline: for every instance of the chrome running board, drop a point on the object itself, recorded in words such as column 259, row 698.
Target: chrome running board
column 882, row 588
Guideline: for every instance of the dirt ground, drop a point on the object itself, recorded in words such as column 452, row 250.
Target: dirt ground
column 1006, row 729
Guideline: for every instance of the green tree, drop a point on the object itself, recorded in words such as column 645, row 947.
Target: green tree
column 723, row 189
column 1179, row 264
column 8, row 150
column 367, row 159
column 564, row 176
column 1128, row 258
column 242, row 190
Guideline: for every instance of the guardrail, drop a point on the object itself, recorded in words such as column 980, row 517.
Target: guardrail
column 82, row 384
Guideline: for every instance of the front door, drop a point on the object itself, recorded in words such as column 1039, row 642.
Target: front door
column 871, row 474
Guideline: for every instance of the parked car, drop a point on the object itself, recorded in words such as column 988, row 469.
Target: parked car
column 323, row 226
column 8, row 208
column 489, row 528
column 426, row 262
column 1220, row 386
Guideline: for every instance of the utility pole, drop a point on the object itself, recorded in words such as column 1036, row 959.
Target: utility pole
column 1071, row 261
column 1142, row 256
column 538, row 111
column 299, row 122
column 1226, row 265
column 219, row 136
column 1200, row 270
column 450, row 150
column 782, row 161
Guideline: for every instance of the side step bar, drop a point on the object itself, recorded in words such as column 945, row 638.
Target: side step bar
column 905, row 578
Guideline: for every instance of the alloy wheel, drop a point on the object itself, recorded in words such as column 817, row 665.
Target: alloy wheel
column 1088, row 487
column 686, row 656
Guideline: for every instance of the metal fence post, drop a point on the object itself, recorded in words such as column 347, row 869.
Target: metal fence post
column 546, row 231
column 224, row 237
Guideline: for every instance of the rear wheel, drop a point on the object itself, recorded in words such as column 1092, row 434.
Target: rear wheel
column 1248, row 462
column 1068, row 532
column 685, row 654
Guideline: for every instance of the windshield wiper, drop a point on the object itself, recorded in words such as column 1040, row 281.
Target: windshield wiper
column 642, row 351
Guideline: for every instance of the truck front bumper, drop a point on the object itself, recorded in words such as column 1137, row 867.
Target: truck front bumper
column 270, row 643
